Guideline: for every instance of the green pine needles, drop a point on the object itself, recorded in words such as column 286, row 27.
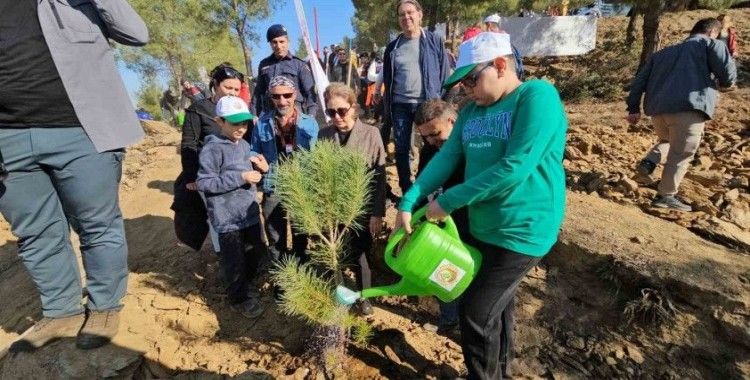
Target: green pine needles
column 325, row 191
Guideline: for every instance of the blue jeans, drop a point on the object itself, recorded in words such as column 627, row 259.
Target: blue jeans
column 58, row 179
column 402, row 117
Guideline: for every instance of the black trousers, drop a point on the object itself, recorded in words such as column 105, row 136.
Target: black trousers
column 360, row 243
column 276, row 229
column 486, row 311
column 241, row 251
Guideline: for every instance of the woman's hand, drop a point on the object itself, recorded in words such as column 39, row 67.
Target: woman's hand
column 376, row 225
column 435, row 213
column 192, row 186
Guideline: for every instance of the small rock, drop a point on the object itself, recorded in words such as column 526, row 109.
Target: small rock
column 629, row 184
column 576, row 342
column 732, row 195
column 619, row 353
column 739, row 182
column 709, row 178
column 572, row 153
column 739, row 214
column 638, row 240
column 703, row 162
column 635, row 354
column 611, row 361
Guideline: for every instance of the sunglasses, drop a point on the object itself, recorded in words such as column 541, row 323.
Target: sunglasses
column 471, row 79
column 226, row 73
column 331, row 112
column 287, row 95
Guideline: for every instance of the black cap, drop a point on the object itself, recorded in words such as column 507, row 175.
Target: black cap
column 276, row 30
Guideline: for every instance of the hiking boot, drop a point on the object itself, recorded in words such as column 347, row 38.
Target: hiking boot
column 46, row 331
column 670, row 202
column 99, row 329
column 250, row 308
column 644, row 170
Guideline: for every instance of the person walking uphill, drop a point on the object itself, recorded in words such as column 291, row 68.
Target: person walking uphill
column 282, row 62
column 512, row 139
column 65, row 118
column 680, row 86
column 228, row 180
column 415, row 65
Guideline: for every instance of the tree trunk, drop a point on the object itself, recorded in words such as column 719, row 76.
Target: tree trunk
column 651, row 16
column 630, row 32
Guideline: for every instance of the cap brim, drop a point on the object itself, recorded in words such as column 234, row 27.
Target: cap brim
column 459, row 74
column 238, row 117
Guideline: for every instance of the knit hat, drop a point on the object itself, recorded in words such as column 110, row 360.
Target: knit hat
column 276, row 30
column 233, row 109
column 482, row 48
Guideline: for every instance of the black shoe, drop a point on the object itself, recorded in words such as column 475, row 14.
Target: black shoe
column 363, row 307
column 670, row 202
column 644, row 170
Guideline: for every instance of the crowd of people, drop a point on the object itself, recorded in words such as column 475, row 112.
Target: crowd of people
column 491, row 159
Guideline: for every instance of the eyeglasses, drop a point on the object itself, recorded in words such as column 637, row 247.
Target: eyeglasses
column 471, row 79
column 331, row 112
column 287, row 95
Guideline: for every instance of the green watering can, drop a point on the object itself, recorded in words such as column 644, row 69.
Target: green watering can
column 431, row 261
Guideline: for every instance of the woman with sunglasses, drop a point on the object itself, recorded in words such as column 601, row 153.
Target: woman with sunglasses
column 346, row 129
column 191, row 226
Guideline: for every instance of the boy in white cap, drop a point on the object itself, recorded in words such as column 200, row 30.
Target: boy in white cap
column 511, row 139
column 227, row 178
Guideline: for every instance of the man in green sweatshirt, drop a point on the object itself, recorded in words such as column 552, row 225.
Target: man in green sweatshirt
column 511, row 138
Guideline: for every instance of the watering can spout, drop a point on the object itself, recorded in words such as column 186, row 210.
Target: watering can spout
column 347, row 297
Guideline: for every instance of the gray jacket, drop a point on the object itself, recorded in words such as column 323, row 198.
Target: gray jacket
column 683, row 78
column 230, row 201
column 78, row 33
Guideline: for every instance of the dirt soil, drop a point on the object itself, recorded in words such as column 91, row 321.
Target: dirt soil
column 624, row 294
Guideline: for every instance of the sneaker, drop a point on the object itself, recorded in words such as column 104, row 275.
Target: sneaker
column 46, row 331
column 670, row 202
column 251, row 308
column 99, row 329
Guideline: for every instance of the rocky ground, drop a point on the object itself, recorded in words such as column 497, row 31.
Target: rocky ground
column 625, row 294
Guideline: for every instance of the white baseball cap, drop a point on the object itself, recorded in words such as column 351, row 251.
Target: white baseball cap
column 482, row 48
column 492, row 18
column 233, row 109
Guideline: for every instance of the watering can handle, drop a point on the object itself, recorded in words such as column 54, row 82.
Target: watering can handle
column 418, row 217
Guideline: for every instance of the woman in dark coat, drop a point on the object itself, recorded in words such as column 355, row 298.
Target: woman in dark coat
column 190, row 219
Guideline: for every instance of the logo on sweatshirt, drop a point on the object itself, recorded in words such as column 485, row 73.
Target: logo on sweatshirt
column 495, row 126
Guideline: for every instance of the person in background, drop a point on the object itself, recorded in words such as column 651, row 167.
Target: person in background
column 65, row 121
column 228, row 180
column 492, row 24
column 415, row 65
column 728, row 34
column 679, row 103
column 191, row 226
column 511, row 140
column 278, row 135
column 434, row 122
column 343, row 71
column 282, row 62
column 349, row 131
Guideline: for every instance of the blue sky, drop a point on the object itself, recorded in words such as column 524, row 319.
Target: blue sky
column 334, row 22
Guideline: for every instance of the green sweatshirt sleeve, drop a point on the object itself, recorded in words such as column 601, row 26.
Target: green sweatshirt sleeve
column 535, row 126
column 437, row 171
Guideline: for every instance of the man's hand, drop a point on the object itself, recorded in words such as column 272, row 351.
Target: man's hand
column 633, row 118
column 252, row 176
column 376, row 225
column 403, row 219
column 260, row 163
column 435, row 213
column 192, row 186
